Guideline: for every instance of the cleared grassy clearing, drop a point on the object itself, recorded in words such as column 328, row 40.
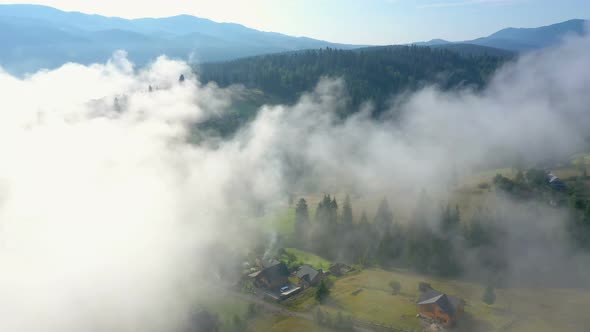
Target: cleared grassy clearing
column 519, row 309
column 304, row 257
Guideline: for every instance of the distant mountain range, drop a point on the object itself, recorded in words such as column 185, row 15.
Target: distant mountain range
column 34, row 37
column 522, row 39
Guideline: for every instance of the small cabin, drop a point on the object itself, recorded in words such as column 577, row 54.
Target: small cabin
column 272, row 277
column 556, row 183
column 308, row 276
column 440, row 307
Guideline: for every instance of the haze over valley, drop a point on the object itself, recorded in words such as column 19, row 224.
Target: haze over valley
column 178, row 174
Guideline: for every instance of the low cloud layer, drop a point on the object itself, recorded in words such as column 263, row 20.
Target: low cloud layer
column 106, row 209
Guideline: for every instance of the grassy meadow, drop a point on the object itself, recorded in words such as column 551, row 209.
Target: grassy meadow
column 367, row 296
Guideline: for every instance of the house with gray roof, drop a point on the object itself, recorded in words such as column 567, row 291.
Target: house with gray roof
column 308, row 276
column 440, row 307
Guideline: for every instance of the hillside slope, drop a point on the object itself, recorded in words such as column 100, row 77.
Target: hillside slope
column 374, row 73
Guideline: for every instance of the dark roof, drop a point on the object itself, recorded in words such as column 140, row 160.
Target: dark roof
column 306, row 270
column 447, row 303
column 276, row 271
column 555, row 182
column 429, row 294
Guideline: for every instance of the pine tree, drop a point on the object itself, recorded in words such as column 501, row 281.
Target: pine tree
column 301, row 222
column 364, row 220
column 446, row 218
column 322, row 292
column 384, row 216
column 333, row 214
column 347, row 220
column 322, row 213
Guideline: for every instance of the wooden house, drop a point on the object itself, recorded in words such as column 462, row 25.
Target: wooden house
column 308, row 276
column 272, row 277
column 440, row 307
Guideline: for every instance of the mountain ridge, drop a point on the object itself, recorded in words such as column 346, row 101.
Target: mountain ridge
column 54, row 37
column 523, row 39
column 36, row 37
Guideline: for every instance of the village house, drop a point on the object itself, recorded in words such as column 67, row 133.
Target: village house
column 308, row 276
column 440, row 307
column 272, row 277
column 555, row 183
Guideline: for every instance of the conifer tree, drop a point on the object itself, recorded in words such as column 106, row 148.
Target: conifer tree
column 301, row 222
column 384, row 216
column 364, row 220
column 322, row 292
column 333, row 212
column 347, row 219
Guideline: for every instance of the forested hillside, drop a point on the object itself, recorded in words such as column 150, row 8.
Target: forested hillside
column 373, row 74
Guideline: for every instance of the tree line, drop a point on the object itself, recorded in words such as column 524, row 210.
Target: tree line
column 435, row 238
column 373, row 74
column 383, row 241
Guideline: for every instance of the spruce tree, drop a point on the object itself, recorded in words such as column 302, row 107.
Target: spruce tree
column 347, row 220
column 301, row 222
column 384, row 216
column 322, row 292
column 364, row 220
column 333, row 212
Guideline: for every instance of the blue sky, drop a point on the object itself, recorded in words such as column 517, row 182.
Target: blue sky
column 352, row 21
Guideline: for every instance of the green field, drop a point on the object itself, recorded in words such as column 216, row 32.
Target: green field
column 304, row 257
column 516, row 309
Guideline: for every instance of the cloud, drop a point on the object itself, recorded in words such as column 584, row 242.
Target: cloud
column 101, row 205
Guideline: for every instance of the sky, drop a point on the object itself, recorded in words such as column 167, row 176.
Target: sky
column 351, row 21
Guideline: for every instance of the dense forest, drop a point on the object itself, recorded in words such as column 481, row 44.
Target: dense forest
column 373, row 74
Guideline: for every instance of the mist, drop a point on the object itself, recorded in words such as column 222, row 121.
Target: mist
column 108, row 206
